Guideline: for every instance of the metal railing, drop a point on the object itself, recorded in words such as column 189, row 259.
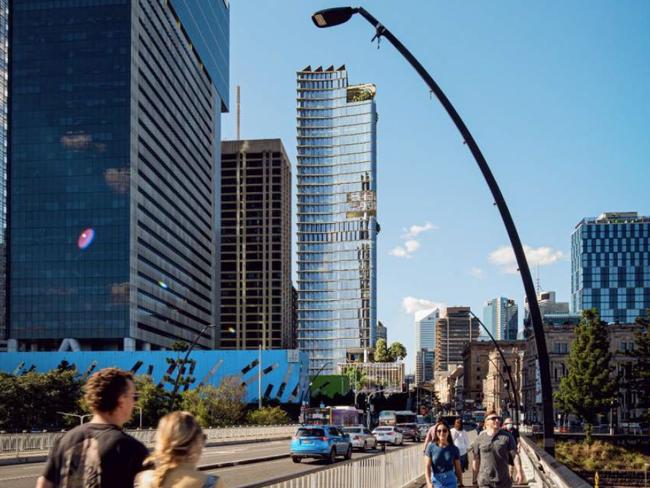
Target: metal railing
column 34, row 442
column 392, row 470
column 550, row 472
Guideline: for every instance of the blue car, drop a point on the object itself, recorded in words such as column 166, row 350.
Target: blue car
column 321, row 442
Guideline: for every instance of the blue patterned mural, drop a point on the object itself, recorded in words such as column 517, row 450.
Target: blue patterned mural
column 284, row 372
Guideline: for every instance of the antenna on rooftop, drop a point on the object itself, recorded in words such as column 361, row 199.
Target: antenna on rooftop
column 238, row 113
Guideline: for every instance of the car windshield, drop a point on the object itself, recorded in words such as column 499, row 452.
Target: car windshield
column 383, row 429
column 408, row 426
column 353, row 430
column 310, row 433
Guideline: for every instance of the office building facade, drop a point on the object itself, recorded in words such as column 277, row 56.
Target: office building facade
column 454, row 330
column 256, row 291
column 500, row 316
column 382, row 331
column 424, row 361
column 114, row 156
column 610, row 266
column 425, row 331
column 4, row 74
column 337, row 219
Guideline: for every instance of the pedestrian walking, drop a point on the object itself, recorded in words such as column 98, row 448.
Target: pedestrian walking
column 179, row 444
column 442, row 460
column 512, row 430
column 493, row 450
column 461, row 441
column 99, row 454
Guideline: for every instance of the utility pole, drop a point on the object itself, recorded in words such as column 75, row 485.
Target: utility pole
column 259, row 378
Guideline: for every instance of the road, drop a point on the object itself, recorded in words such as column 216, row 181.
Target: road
column 24, row 475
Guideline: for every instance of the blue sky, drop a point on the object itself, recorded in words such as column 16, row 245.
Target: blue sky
column 556, row 94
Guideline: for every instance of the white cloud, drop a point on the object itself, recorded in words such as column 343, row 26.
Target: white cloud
column 476, row 272
column 504, row 257
column 420, row 306
column 399, row 252
column 411, row 244
column 415, row 230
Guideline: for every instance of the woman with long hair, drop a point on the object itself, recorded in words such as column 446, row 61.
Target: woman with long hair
column 179, row 444
column 442, row 463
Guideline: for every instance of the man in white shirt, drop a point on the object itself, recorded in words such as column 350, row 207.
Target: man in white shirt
column 461, row 441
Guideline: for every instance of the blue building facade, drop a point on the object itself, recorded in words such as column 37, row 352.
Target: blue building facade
column 284, row 372
column 114, row 156
column 610, row 266
column 501, row 317
column 337, row 219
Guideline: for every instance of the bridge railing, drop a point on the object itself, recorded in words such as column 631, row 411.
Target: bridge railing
column 548, row 471
column 392, row 470
column 33, row 442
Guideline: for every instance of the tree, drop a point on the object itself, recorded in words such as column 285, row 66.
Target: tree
column 153, row 399
column 218, row 406
column 381, row 351
column 357, row 380
column 639, row 382
column 397, row 351
column 268, row 416
column 589, row 387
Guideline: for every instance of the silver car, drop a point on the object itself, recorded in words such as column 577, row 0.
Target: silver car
column 361, row 437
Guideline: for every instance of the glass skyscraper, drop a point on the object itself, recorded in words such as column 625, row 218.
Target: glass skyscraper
column 610, row 266
column 501, row 316
column 337, row 220
column 4, row 49
column 425, row 331
column 114, row 155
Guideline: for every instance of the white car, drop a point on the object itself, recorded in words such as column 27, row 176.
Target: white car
column 361, row 437
column 386, row 434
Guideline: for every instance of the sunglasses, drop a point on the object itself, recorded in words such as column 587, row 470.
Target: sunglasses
column 442, row 431
column 492, row 418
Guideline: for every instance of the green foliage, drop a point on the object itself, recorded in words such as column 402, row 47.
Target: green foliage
column 179, row 346
column 385, row 354
column 381, row 351
column 218, row 406
column 32, row 400
column 397, row 351
column 589, row 387
column 153, row 400
column 268, row 416
column 599, row 455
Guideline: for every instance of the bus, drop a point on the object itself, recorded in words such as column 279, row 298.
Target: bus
column 394, row 417
column 339, row 415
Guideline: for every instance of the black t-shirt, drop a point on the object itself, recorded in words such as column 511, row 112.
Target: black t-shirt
column 99, row 455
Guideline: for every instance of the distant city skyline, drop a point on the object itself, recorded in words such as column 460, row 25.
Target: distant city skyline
column 555, row 106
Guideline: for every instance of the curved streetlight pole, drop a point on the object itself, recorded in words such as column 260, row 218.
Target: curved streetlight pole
column 181, row 367
column 508, row 369
column 335, row 16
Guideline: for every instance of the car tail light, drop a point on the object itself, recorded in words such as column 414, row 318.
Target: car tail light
column 294, row 437
column 324, row 439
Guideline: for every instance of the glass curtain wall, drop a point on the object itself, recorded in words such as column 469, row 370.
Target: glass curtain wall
column 337, row 226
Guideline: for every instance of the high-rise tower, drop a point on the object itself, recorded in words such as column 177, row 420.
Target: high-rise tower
column 500, row 316
column 610, row 266
column 337, row 220
column 114, row 153
column 256, row 291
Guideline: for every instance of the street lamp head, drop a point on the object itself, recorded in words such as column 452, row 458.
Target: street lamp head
column 333, row 16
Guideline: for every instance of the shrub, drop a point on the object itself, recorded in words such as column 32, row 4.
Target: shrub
column 268, row 416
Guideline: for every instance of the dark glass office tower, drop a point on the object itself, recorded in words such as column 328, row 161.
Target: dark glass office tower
column 256, row 291
column 4, row 43
column 114, row 157
column 337, row 218
column 610, row 266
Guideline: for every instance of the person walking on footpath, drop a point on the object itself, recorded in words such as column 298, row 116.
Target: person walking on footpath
column 179, row 444
column 99, row 454
column 442, row 460
column 461, row 441
column 493, row 449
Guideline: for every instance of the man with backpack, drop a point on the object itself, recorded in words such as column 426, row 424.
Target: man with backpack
column 99, row 454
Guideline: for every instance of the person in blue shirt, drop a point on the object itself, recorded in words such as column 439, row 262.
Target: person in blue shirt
column 442, row 460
